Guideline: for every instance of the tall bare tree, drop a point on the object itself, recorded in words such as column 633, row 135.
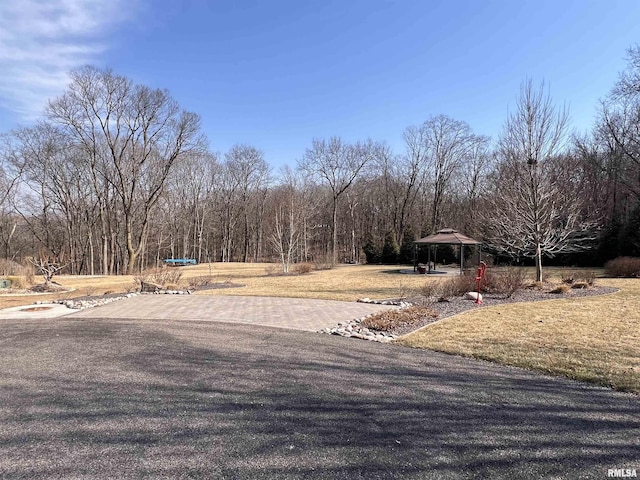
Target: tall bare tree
column 442, row 145
column 473, row 182
column 250, row 172
column 11, row 168
column 55, row 171
column 288, row 217
column 337, row 164
column 536, row 207
column 404, row 177
column 133, row 135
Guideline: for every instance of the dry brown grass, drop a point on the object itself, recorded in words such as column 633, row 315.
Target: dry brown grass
column 595, row 339
column 80, row 286
column 345, row 282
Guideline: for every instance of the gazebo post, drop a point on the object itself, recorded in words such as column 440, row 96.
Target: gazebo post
column 461, row 259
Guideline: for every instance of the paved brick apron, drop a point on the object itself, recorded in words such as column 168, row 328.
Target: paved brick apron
column 292, row 313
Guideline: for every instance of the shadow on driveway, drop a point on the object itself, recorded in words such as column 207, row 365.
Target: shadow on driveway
column 116, row 399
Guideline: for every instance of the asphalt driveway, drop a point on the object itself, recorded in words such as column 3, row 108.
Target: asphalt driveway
column 105, row 398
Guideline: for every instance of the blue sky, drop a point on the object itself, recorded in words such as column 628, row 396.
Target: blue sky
column 276, row 74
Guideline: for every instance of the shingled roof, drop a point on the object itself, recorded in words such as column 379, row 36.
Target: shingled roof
column 447, row 236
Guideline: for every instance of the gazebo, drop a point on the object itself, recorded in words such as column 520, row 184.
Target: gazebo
column 446, row 236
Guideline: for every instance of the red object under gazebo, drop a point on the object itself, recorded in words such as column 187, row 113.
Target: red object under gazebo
column 446, row 236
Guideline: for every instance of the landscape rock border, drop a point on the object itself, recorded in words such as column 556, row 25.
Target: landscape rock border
column 84, row 303
column 354, row 329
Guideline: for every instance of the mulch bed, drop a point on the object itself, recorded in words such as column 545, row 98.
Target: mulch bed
column 458, row 305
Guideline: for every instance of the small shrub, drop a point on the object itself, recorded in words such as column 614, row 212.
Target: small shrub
column 273, row 270
column 302, row 268
column 402, row 289
column 506, row 282
column 568, row 277
column 580, row 285
column 392, row 319
column 444, row 289
column 589, row 276
column 464, row 283
column 563, row 288
column 161, row 276
column 448, row 289
column 170, row 275
column 430, row 290
column 623, row 267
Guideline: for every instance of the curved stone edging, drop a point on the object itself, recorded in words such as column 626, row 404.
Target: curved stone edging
column 78, row 304
column 354, row 329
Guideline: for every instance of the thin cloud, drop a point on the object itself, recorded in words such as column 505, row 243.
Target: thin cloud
column 42, row 40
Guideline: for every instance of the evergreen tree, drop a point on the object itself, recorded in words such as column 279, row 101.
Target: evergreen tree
column 629, row 239
column 372, row 251
column 390, row 249
column 406, row 249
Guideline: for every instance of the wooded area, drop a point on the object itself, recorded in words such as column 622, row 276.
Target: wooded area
column 117, row 176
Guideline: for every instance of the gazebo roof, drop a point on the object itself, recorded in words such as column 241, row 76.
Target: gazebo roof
column 447, row 236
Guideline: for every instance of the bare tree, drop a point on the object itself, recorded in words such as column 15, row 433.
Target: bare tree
column 473, row 182
column 56, row 178
column 403, row 177
column 288, row 218
column 250, row 173
column 536, row 207
column 619, row 124
column 47, row 266
column 616, row 161
column 133, row 134
column 189, row 202
column 442, row 145
column 337, row 164
column 11, row 169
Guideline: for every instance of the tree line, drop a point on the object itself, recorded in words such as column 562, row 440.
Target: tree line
column 116, row 176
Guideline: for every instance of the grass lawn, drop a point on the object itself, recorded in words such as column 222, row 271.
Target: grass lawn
column 345, row 282
column 596, row 339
